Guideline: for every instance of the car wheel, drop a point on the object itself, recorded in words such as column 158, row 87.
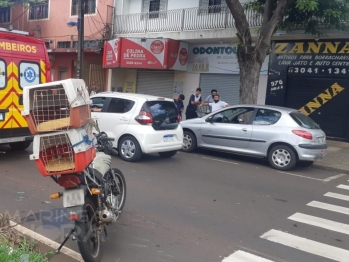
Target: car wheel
column 305, row 163
column 129, row 149
column 20, row 145
column 168, row 154
column 282, row 157
column 189, row 142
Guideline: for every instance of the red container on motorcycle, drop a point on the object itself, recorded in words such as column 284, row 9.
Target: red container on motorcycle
column 64, row 152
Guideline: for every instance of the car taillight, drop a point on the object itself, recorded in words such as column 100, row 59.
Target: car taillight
column 179, row 119
column 144, row 118
column 303, row 133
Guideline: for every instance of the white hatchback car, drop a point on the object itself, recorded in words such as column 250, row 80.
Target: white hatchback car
column 139, row 123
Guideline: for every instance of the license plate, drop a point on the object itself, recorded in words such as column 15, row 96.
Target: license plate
column 168, row 138
column 321, row 140
column 74, row 197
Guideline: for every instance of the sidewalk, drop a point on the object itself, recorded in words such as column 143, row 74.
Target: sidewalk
column 336, row 159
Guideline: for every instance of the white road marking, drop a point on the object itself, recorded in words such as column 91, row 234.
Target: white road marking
column 337, row 196
column 40, row 238
column 291, row 174
column 320, row 222
column 220, row 160
column 307, row 245
column 242, row 256
column 313, row 178
column 343, row 187
column 333, row 177
column 334, row 208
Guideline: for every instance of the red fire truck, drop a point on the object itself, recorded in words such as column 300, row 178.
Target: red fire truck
column 23, row 61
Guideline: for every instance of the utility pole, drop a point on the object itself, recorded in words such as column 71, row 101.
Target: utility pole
column 81, row 15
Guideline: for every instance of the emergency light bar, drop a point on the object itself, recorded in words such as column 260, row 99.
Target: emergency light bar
column 16, row 31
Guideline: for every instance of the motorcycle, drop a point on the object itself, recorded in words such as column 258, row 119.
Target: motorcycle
column 93, row 200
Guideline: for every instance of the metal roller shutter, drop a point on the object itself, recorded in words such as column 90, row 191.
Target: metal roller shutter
column 331, row 114
column 228, row 86
column 156, row 83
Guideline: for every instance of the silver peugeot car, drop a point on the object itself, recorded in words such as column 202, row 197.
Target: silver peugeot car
column 286, row 137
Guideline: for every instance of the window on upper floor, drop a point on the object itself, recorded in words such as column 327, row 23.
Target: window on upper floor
column 210, row 6
column 90, row 7
column 155, row 8
column 64, row 44
column 5, row 15
column 39, row 11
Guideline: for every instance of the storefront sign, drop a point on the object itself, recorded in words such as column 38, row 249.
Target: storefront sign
column 111, row 57
column 220, row 59
column 146, row 53
column 308, row 59
column 136, row 53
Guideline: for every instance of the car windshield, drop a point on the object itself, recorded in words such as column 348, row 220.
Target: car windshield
column 304, row 121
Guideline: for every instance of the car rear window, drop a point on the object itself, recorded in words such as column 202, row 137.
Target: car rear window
column 164, row 113
column 304, row 121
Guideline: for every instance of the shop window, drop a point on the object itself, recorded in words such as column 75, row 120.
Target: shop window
column 90, row 7
column 5, row 15
column 39, row 11
column 64, row 44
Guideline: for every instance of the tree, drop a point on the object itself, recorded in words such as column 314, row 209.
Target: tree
column 7, row 3
column 310, row 15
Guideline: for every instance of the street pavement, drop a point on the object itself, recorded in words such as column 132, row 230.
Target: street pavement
column 337, row 158
column 203, row 206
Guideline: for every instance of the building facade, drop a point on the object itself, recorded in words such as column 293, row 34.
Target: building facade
column 48, row 21
column 207, row 28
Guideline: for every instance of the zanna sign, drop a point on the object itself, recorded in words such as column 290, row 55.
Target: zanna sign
column 312, row 48
column 321, row 99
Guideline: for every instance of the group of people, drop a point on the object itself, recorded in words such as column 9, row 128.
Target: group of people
column 195, row 101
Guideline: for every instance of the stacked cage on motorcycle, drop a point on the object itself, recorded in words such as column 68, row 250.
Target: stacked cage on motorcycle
column 56, row 106
column 58, row 115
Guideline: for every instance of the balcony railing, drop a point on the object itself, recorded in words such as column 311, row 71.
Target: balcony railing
column 201, row 18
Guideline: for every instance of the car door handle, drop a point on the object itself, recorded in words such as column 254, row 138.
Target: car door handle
column 244, row 129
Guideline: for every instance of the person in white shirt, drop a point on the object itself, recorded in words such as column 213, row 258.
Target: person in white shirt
column 216, row 104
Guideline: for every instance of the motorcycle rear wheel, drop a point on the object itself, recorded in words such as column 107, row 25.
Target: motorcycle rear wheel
column 119, row 187
column 88, row 237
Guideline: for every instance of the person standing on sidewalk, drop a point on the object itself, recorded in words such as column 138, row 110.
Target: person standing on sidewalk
column 179, row 103
column 194, row 101
column 217, row 104
column 210, row 98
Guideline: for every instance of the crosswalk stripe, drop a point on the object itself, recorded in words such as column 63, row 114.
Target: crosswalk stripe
column 343, row 187
column 337, row 196
column 334, row 208
column 242, row 256
column 320, row 222
column 307, row 245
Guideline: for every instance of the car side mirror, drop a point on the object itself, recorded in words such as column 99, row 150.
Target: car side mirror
column 209, row 119
column 241, row 120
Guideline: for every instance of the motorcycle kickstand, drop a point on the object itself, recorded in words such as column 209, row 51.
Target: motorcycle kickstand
column 71, row 231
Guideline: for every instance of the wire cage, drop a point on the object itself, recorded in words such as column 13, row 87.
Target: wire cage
column 63, row 152
column 56, row 106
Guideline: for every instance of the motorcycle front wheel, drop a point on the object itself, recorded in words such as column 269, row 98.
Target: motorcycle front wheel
column 88, row 237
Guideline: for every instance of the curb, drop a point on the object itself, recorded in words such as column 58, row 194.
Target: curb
column 330, row 168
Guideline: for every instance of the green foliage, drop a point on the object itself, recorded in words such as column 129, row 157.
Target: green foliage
column 7, row 3
column 311, row 15
column 11, row 253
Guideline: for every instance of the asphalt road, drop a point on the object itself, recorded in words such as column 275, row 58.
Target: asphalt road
column 199, row 207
